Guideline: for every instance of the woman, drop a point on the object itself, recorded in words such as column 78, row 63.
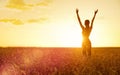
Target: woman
column 86, row 43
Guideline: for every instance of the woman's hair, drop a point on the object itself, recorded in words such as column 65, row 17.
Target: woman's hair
column 87, row 22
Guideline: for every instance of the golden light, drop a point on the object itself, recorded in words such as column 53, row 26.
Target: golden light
column 47, row 24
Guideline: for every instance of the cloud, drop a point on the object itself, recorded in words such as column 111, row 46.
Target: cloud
column 21, row 5
column 13, row 21
column 17, row 17
column 44, row 3
column 17, row 4
column 36, row 20
column 21, row 22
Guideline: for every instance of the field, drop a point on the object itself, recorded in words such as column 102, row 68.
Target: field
column 58, row 61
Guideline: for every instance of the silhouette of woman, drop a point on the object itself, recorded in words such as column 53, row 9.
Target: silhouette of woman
column 86, row 43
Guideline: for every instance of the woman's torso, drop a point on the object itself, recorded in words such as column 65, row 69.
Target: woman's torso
column 86, row 33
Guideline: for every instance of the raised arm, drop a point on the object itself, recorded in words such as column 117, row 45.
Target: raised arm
column 93, row 18
column 79, row 19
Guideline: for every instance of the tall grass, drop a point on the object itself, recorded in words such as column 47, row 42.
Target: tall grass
column 61, row 61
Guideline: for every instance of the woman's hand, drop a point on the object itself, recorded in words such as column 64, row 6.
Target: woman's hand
column 77, row 10
column 96, row 11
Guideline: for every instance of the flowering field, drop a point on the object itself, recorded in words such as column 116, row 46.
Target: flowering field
column 58, row 61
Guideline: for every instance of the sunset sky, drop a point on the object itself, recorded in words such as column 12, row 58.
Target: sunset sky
column 53, row 23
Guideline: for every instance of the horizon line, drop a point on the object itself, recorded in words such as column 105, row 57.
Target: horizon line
column 56, row 47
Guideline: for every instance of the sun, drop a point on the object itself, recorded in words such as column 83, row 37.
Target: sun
column 66, row 36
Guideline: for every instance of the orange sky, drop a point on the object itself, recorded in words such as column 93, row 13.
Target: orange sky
column 53, row 23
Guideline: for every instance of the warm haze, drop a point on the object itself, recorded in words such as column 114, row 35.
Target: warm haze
column 53, row 23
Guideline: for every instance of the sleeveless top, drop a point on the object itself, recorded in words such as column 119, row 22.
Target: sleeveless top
column 86, row 33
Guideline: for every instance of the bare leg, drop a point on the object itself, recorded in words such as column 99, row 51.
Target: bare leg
column 84, row 50
column 89, row 49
